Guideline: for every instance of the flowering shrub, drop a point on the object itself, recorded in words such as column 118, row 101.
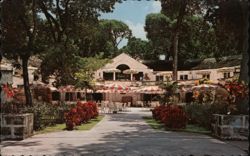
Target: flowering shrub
column 81, row 113
column 172, row 116
column 8, row 90
column 238, row 91
column 9, row 103
column 203, row 97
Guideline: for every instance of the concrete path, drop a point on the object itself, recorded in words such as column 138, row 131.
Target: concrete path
column 121, row 134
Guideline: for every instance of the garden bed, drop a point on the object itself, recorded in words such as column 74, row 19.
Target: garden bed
column 61, row 127
column 189, row 128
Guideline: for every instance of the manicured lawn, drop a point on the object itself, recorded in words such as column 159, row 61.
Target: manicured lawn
column 90, row 124
column 153, row 123
column 189, row 128
column 62, row 127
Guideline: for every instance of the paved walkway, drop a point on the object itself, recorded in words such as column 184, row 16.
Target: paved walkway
column 121, row 134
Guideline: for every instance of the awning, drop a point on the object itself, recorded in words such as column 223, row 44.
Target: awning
column 204, row 87
column 150, row 90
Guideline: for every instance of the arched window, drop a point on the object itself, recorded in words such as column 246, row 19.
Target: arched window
column 122, row 67
column 121, row 75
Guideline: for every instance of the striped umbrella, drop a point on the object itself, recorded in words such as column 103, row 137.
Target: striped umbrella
column 204, row 87
column 117, row 88
column 68, row 88
column 150, row 90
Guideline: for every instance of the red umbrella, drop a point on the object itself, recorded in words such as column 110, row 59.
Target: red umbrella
column 150, row 90
column 116, row 88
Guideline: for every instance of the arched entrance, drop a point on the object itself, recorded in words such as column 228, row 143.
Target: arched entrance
column 121, row 75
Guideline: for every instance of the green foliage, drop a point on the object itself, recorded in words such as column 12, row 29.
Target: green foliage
column 61, row 127
column 138, row 48
column 170, row 90
column 192, row 33
column 158, row 28
column 60, row 61
column 115, row 31
column 20, row 25
column 71, row 29
column 112, row 33
column 229, row 19
column 192, row 43
column 46, row 114
column 84, row 77
column 202, row 114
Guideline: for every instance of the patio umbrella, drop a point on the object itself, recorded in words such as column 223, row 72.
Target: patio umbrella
column 150, row 90
column 68, row 88
column 116, row 87
column 204, row 87
column 83, row 90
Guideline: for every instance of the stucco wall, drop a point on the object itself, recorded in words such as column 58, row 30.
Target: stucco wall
column 214, row 74
column 6, row 77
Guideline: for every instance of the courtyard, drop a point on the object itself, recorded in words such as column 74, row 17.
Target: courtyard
column 124, row 77
column 125, row 133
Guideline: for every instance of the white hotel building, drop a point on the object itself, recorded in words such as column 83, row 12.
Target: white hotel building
column 125, row 69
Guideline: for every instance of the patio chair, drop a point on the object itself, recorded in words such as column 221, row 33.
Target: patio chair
column 140, row 104
column 116, row 107
column 103, row 107
column 124, row 106
column 111, row 107
column 119, row 106
column 128, row 105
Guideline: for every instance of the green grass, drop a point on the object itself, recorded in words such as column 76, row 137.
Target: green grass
column 189, row 128
column 153, row 123
column 62, row 127
column 56, row 128
column 90, row 124
column 197, row 129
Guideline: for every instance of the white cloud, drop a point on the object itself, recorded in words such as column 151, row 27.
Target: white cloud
column 156, row 7
column 137, row 29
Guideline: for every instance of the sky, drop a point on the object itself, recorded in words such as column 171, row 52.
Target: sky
column 133, row 13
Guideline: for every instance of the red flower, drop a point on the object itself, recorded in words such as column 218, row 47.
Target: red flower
column 82, row 113
column 172, row 116
column 8, row 90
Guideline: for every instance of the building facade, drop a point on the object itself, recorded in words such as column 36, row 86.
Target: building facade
column 124, row 68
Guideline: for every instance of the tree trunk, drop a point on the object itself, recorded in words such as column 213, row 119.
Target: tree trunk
column 242, row 104
column 176, row 38
column 245, row 57
column 244, row 67
column 175, row 56
column 85, row 89
column 27, row 92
